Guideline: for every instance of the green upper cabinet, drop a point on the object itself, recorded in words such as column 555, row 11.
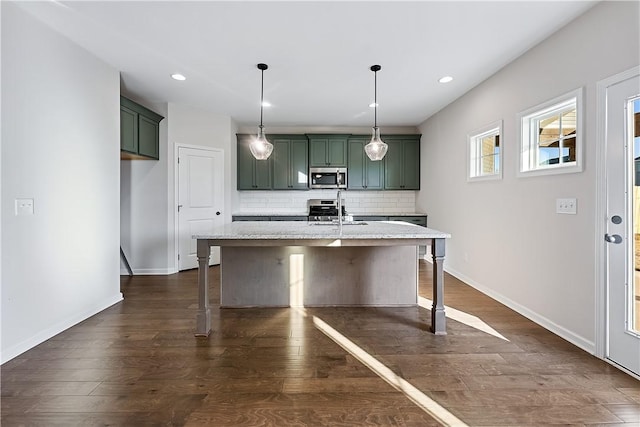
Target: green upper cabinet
column 402, row 162
column 290, row 162
column 327, row 150
column 139, row 131
column 288, row 166
column 252, row 174
column 364, row 174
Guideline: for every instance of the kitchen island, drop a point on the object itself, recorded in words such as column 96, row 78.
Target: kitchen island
column 276, row 264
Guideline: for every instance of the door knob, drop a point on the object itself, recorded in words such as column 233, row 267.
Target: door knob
column 613, row 238
column 217, row 213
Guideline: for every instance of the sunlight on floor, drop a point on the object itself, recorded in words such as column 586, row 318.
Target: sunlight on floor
column 296, row 280
column 427, row 404
column 462, row 317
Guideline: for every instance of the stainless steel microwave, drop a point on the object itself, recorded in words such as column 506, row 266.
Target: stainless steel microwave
column 328, row 177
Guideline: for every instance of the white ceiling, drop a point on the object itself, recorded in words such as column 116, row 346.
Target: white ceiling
column 319, row 53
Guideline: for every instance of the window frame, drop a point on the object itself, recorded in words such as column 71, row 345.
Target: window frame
column 529, row 145
column 473, row 139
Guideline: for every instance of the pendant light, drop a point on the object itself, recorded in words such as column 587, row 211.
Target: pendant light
column 260, row 147
column 376, row 148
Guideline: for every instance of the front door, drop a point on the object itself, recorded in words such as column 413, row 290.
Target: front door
column 622, row 238
column 200, row 200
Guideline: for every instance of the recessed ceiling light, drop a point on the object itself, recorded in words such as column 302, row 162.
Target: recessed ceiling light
column 266, row 104
column 373, row 105
column 178, row 76
column 445, row 79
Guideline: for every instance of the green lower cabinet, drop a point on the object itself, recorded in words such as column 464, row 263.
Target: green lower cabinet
column 363, row 174
column 402, row 162
column 235, row 218
column 252, row 174
column 370, row 218
column 139, row 131
column 290, row 162
column 417, row 220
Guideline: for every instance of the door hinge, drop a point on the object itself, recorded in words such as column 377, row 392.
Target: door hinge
column 178, row 257
column 178, row 160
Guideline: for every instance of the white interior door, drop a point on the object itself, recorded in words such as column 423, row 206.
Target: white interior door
column 623, row 223
column 200, row 200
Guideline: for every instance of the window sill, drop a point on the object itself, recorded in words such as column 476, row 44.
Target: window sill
column 557, row 170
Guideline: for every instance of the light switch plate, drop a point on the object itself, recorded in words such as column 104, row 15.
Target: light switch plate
column 566, row 206
column 24, row 206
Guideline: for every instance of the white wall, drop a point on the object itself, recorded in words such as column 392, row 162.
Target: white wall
column 192, row 126
column 148, row 186
column 507, row 239
column 60, row 146
column 145, row 235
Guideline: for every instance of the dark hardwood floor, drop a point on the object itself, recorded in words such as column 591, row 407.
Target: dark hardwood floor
column 138, row 364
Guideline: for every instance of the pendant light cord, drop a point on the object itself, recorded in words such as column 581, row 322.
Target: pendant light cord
column 262, row 67
column 261, row 95
column 375, row 99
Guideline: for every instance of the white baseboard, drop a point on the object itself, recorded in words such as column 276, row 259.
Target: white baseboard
column 577, row 340
column 149, row 271
column 44, row 335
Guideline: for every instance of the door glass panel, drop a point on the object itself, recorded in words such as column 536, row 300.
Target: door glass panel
column 634, row 289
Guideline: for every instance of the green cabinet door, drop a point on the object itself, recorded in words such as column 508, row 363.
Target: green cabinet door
column 128, row 130
column 411, row 163
column 402, row 162
column 363, row 174
column 299, row 165
column 337, row 151
column 252, row 174
column 280, row 158
column 139, row 131
column 148, row 137
column 327, row 150
column 393, row 165
column 290, row 162
column 356, row 168
column 318, row 152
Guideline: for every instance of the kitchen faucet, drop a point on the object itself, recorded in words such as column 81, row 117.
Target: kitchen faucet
column 340, row 209
column 339, row 196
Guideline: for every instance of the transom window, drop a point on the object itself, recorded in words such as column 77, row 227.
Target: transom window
column 485, row 153
column 551, row 136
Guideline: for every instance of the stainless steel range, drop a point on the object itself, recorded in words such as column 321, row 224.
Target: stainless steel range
column 324, row 209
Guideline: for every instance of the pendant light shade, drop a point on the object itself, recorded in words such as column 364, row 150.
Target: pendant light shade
column 260, row 147
column 376, row 148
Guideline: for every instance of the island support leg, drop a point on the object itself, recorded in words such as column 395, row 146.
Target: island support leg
column 438, row 318
column 203, row 318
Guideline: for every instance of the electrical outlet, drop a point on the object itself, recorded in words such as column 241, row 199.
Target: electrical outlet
column 24, row 206
column 566, row 206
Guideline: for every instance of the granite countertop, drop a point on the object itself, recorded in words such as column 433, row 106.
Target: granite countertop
column 270, row 214
column 387, row 214
column 348, row 213
column 296, row 230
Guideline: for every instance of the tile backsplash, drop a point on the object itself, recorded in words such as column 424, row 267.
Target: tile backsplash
column 295, row 202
